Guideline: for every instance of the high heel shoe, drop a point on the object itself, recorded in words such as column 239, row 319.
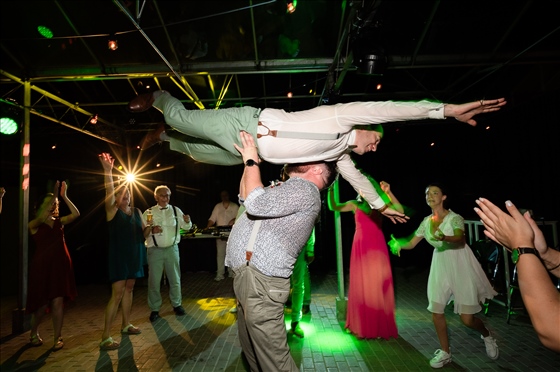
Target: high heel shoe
column 36, row 340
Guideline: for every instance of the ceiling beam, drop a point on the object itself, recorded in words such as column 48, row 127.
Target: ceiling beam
column 74, row 107
column 282, row 66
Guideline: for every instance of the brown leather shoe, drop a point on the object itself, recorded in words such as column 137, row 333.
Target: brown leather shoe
column 152, row 138
column 141, row 103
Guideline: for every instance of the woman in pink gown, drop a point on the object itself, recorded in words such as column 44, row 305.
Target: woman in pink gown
column 371, row 299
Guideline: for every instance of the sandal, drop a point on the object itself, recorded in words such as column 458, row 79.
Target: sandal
column 36, row 340
column 109, row 344
column 59, row 344
column 131, row 330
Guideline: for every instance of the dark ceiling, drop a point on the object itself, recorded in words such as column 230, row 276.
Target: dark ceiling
column 226, row 53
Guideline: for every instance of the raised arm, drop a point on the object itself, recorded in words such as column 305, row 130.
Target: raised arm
column 110, row 205
column 392, row 198
column 251, row 178
column 74, row 213
column 550, row 257
column 540, row 296
column 44, row 210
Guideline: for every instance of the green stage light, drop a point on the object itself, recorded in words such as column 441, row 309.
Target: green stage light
column 9, row 116
column 45, row 31
column 8, row 126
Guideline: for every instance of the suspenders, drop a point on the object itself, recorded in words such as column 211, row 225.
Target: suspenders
column 298, row 135
column 176, row 228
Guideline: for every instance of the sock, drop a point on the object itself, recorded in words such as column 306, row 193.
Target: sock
column 163, row 136
column 158, row 93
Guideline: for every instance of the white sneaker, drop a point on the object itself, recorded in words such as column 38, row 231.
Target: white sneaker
column 491, row 347
column 440, row 359
column 218, row 278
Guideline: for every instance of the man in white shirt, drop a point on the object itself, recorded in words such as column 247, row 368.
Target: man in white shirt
column 223, row 214
column 163, row 250
column 323, row 133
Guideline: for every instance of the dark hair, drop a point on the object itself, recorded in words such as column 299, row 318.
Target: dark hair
column 40, row 201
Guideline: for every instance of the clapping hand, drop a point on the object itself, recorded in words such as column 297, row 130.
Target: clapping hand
column 510, row 230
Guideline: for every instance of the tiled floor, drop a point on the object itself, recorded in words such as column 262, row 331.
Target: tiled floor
column 206, row 338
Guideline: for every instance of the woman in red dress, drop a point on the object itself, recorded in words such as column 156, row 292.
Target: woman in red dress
column 51, row 274
column 371, row 299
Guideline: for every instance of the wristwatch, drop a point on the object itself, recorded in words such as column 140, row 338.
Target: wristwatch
column 522, row 250
column 250, row 163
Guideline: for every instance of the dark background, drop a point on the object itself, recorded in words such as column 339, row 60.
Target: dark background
column 512, row 155
column 449, row 51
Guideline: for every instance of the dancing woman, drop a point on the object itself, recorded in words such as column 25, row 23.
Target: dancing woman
column 454, row 273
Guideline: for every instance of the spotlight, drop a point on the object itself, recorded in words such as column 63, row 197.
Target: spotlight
column 94, row 118
column 372, row 64
column 113, row 44
column 9, row 117
column 368, row 46
column 8, row 126
column 45, row 32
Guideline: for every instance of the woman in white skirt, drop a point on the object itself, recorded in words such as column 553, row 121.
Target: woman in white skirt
column 454, row 273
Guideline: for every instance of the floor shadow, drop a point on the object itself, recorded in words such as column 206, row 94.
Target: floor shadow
column 381, row 355
column 185, row 348
column 12, row 364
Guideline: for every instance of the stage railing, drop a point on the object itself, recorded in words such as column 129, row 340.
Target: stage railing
column 475, row 232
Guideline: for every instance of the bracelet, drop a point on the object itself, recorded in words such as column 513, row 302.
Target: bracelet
column 554, row 268
column 383, row 208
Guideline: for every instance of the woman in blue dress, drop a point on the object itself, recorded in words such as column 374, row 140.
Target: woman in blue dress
column 127, row 253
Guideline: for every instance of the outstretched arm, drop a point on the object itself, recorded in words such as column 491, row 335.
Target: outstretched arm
column 466, row 111
column 362, row 184
column 396, row 244
column 74, row 213
column 540, row 296
column 336, row 206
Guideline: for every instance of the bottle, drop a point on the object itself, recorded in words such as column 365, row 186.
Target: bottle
column 149, row 217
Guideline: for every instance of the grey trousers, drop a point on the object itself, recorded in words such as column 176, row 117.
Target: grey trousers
column 211, row 133
column 159, row 260
column 260, row 319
